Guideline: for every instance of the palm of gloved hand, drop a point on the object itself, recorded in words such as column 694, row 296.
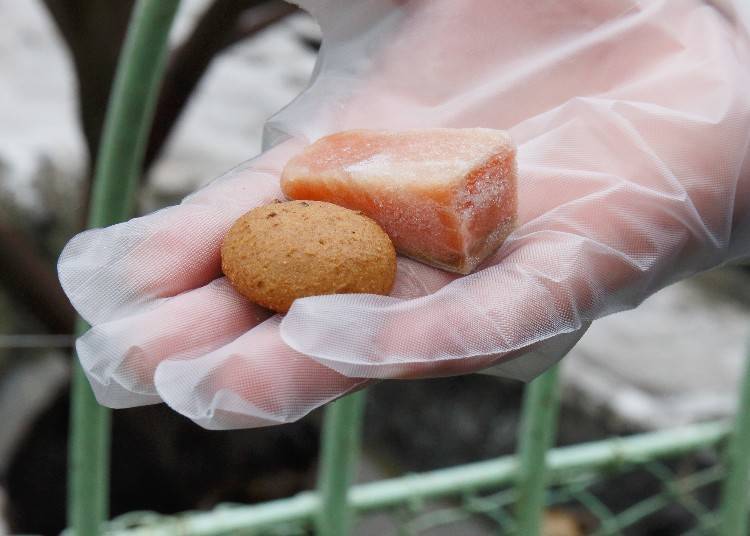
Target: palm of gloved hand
column 632, row 125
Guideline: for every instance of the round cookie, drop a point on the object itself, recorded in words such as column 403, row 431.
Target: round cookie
column 277, row 253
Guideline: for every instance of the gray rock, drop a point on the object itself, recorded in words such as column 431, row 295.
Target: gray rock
column 677, row 358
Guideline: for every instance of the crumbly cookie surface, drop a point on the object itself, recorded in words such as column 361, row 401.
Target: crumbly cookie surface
column 277, row 253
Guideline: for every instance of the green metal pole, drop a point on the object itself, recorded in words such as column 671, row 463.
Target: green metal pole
column 342, row 430
column 126, row 127
column 538, row 429
column 734, row 496
column 88, row 457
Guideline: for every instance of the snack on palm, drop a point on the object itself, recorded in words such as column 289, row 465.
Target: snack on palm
column 446, row 197
column 277, row 253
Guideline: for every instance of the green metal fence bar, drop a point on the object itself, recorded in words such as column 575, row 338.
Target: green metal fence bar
column 115, row 181
column 655, row 503
column 677, row 491
column 538, row 429
column 734, row 503
column 88, row 456
column 342, row 430
column 606, row 455
column 605, row 517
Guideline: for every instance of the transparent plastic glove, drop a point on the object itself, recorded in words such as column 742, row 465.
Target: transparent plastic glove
column 632, row 121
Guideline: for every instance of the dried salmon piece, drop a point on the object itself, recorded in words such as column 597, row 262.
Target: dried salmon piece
column 446, row 197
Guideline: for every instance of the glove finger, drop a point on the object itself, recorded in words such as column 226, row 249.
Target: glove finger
column 121, row 356
column 256, row 380
column 414, row 279
column 536, row 292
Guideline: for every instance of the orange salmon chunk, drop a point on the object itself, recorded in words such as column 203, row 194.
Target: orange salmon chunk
column 446, row 197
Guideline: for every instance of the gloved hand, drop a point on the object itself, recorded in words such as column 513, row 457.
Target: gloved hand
column 632, row 120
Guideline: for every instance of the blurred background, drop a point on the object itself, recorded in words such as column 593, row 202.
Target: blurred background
column 676, row 359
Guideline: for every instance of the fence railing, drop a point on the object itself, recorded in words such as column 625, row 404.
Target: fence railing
column 569, row 470
column 511, row 492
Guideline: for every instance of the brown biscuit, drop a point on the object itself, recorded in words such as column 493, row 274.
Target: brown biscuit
column 283, row 251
